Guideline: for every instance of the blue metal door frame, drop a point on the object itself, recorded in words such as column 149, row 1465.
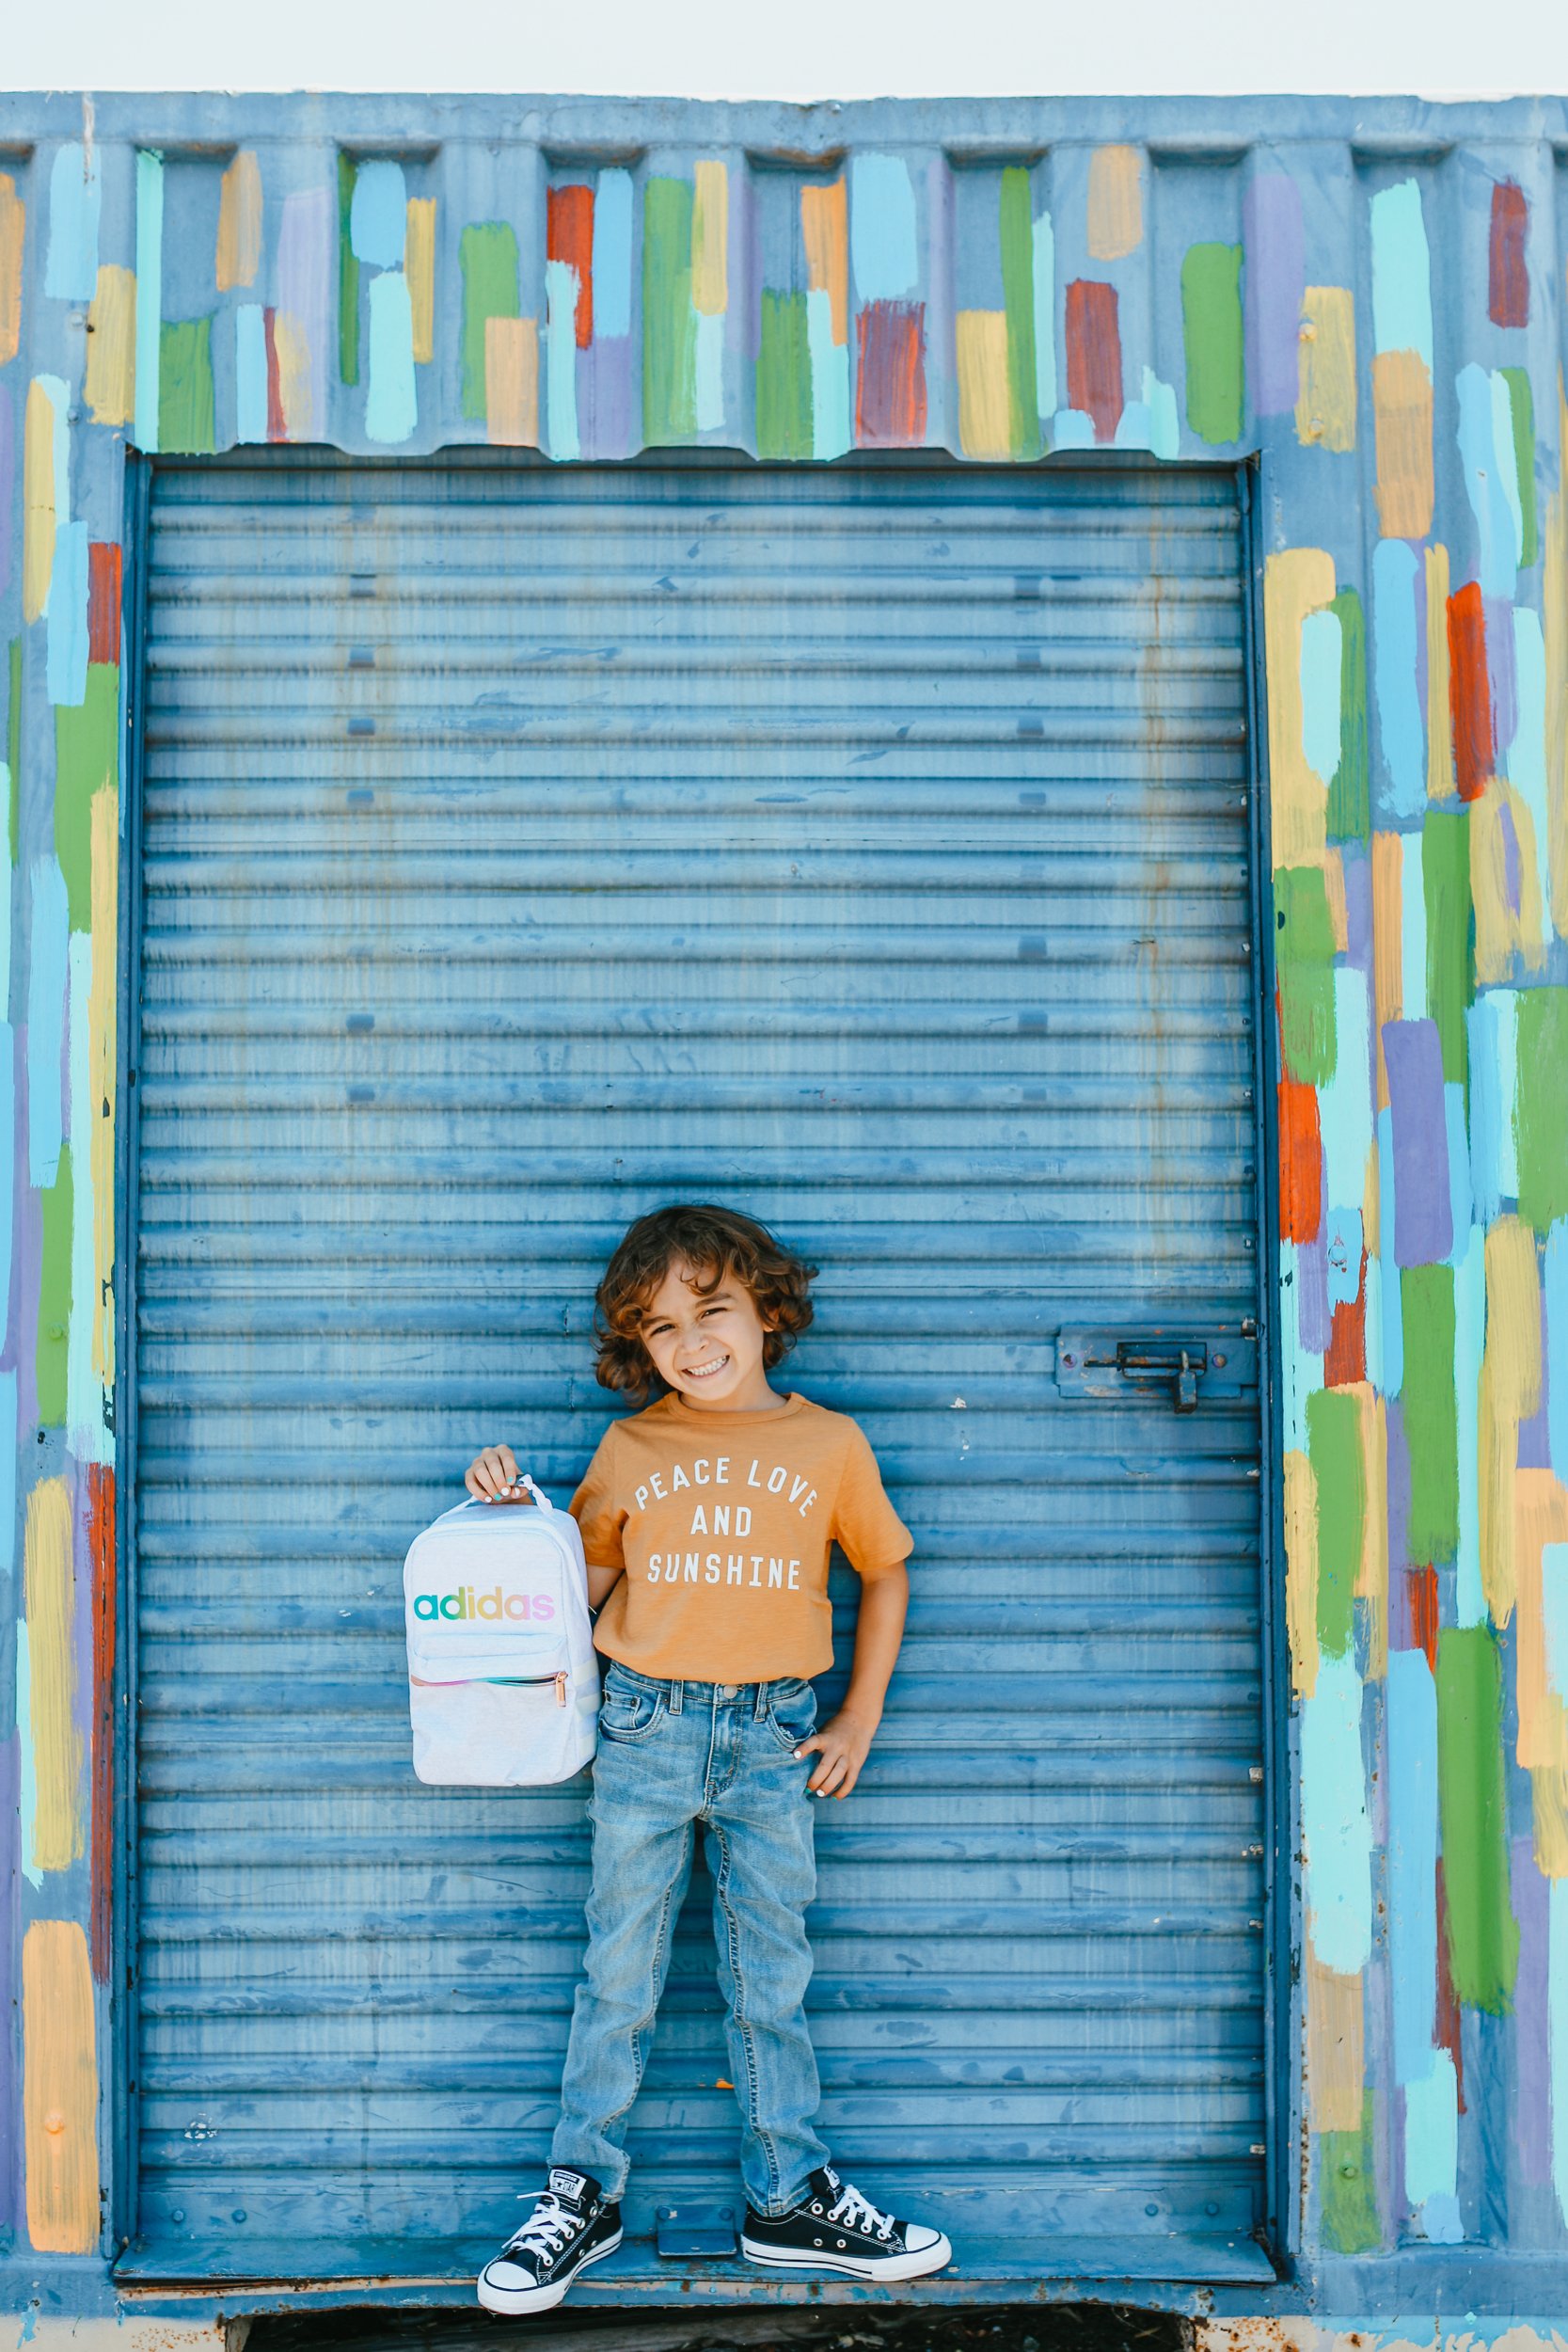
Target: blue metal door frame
column 1280, row 1926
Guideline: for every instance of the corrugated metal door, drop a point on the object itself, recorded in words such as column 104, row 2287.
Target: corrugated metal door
column 522, row 848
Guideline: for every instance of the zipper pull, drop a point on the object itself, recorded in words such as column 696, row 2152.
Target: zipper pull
column 561, row 1689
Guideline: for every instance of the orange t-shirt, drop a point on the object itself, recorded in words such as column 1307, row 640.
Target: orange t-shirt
column 723, row 1523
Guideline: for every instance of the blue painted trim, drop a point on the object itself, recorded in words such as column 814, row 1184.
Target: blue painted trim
column 1282, row 1923
column 120, row 2090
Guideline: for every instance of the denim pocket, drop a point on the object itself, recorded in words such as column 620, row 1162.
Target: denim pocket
column 630, row 1712
column 792, row 1714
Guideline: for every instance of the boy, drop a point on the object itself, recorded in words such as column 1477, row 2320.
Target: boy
column 706, row 1520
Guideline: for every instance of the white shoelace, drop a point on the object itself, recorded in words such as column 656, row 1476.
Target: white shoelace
column 546, row 2229
column 857, row 2213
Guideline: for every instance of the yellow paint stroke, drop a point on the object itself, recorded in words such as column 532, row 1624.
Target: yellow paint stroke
column 1555, row 622
column 985, row 423
column 1387, row 942
column 110, row 387
column 13, row 231
column 710, row 240
column 1510, row 1392
column 1372, row 1584
column 1116, row 202
column 825, row 229
column 1301, row 1572
column 1326, row 402
column 239, row 252
column 289, row 343
column 103, row 1042
column 1439, row 720
column 1335, row 2047
column 511, row 381
column 59, row 2089
column 1541, row 1517
column 1296, row 582
column 419, row 267
column 37, row 502
column 50, row 1602
column 1333, row 891
column 1372, row 1205
column 1402, row 421
column 1500, row 934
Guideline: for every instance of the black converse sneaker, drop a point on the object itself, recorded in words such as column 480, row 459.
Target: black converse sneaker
column 572, row 2225
column 838, row 2229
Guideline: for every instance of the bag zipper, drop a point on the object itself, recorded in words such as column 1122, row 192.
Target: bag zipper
column 511, row 1682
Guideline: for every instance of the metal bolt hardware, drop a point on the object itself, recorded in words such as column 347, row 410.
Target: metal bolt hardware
column 1155, row 1363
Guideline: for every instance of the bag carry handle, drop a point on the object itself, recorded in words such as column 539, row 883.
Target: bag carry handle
column 468, row 1500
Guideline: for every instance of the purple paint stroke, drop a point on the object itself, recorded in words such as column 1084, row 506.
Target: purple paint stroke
column 606, row 393
column 1275, row 279
column 1501, row 672
column 1423, row 1211
column 942, row 299
column 1398, row 1528
column 8, row 482
column 1535, row 1443
column 1317, row 1319
column 1533, row 2116
column 1511, row 859
column 306, row 250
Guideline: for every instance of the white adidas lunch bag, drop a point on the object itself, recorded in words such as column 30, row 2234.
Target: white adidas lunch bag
column 503, row 1685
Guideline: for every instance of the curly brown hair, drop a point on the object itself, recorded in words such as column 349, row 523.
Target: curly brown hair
column 715, row 1243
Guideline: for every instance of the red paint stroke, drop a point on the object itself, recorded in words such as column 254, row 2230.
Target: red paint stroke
column 1093, row 354
column 1301, row 1162
column 1469, row 694
column 102, row 601
column 1449, row 2035
column 106, row 1604
column 569, row 237
column 890, row 380
column 277, row 423
column 1507, row 300
column 1345, row 1357
column 1420, row 1586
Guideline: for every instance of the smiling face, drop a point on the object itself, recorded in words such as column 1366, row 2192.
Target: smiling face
column 706, row 1345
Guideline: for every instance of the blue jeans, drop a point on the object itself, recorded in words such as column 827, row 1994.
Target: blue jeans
column 671, row 1755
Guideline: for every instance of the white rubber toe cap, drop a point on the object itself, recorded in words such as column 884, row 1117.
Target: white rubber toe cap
column 923, row 2241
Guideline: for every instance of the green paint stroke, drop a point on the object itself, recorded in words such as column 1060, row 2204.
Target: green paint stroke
column 487, row 254
column 1450, row 934
column 86, row 757
column 1431, row 1413
column 348, row 274
column 1347, row 2183
column 185, row 406
column 1541, row 1111
column 1334, row 1449
column 13, row 745
column 1483, row 1934
column 1211, row 331
column 1350, row 795
column 669, row 321
column 1303, row 964
column 1018, row 294
column 1521, row 403
column 783, row 378
column 54, row 1297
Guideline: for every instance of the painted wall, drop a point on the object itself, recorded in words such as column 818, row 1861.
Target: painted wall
column 1371, row 297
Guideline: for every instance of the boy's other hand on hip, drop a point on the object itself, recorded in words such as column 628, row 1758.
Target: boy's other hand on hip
column 846, row 1743
column 492, row 1476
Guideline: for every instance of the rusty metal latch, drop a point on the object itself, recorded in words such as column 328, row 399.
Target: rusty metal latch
column 1179, row 1365
column 1107, row 1364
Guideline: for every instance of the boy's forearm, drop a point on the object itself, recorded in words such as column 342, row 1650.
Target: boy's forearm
column 884, row 1601
column 601, row 1583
